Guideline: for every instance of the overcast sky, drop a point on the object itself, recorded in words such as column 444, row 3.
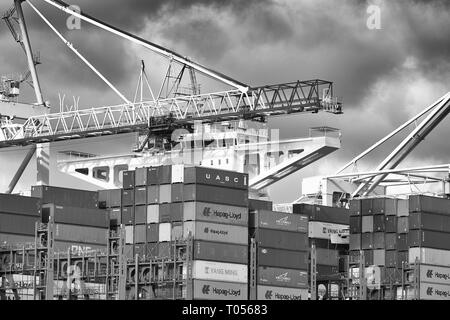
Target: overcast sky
column 385, row 76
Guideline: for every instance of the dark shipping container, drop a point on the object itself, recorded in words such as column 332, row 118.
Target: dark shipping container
column 279, row 221
column 75, row 215
column 379, row 240
column 153, row 194
column 367, row 241
column 127, row 198
column 213, row 194
column 390, row 223
column 223, row 252
column 170, row 212
column 283, row 258
column 355, row 241
column 355, row 207
column 128, row 215
column 429, row 239
column 177, row 192
column 277, row 239
column 153, row 176
column 18, row 224
column 323, row 213
column 128, row 179
column 152, row 232
column 421, row 203
column 141, row 176
column 140, row 233
column 140, row 195
column 429, row 221
column 402, row 225
column 355, row 224
column 402, row 242
column 65, row 196
column 390, row 240
column 281, row 277
column 384, row 206
column 366, row 207
column 256, row 204
column 140, row 214
column 379, row 224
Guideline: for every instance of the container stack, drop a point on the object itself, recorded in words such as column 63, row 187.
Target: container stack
column 79, row 224
column 329, row 232
column 282, row 254
column 18, row 217
column 393, row 233
column 167, row 203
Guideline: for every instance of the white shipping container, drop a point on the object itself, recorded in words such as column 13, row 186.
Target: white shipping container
column 434, row 274
column 165, row 232
column 433, row 291
column 129, row 234
column 429, row 256
column 165, row 193
column 153, row 213
column 219, row 271
column 324, row 230
column 177, row 173
column 408, row 293
column 278, row 293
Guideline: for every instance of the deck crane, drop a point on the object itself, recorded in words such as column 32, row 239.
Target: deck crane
column 160, row 115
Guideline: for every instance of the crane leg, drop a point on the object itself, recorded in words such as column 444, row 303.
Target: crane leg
column 21, row 169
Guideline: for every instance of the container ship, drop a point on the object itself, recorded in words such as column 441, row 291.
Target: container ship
column 187, row 213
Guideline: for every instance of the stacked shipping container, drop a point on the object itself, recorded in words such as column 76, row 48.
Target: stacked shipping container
column 282, row 254
column 395, row 232
column 162, row 204
column 329, row 232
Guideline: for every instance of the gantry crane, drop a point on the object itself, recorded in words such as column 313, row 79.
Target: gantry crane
column 162, row 114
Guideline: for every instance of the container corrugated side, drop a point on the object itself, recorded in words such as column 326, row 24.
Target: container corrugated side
column 128, row 179
column 18, row 224
column 20, row 205
column 282, row 277
column 77, row 248
column 78, row 216
column 213, row 194
column 66, row 196
column 216, row 177
column 219, row 271
column 140, row 233
column 279, row 293
column 140, row 195
column 429, row 221
column 224, row 252
column 429, row 239
column 296, row 241
column 367, row 224
column 80, row 234
column 323, row 213
column 153, row 194
column 165, row 193
column 214, row 290
column 140, row 214
column 434, row 274
column 325, row 230
column 14, row 239
column 128, row 197
column 257, row 204
column 141, row 176
column 153, row 232
column 216, row 232
column 327, row 257
column 429, row 256
column 433, row 291
column 283, row 258
column 421, row 203
column 208, row 212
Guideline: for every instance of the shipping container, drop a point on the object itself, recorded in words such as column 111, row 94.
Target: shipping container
column 280, row 293
column 75, row 215
column 434, row 274
column 14, row 239
column 368, row 258
column 390, row 240
column 127, row 198
column 152, row 232
column 219, row 271
column 355, row 241
column 354, row 256
column 18, row 224
column 151, row 250
column 281, row 277
column 140, row 233
column 165, row 174
column 433, row 291
column 165, row 250
column 214, row 290
column 177, row 173
column 153, row 176
column 355, row 224
column 379, row 240
column 177, row 192
column 170, row 212
column 379, row 223
column 257, row 204
column 78, row 248
column 65, row 196
column 15, row 204
column 165, row 193
column 402, row 207
column 392, row 275
column 128, row 215
column 283, row 258
column 215, row 177
column 165, row 232
column 140, row 195
column 355, row 207
column 153, row 213
column 391, row 258
column 402, row 242
column 402, row 225
column 224, row 252
column 80, row 234
column 129, row 251
column 327, row 257
column 115, row 217
column 177, row 231
column 213, row 194
column 323, row 213
column 390, row 223
column 402, row 258
column 278, row 239
column 367, row 241
column 140, row 214
column 140, row 250
column 379, row 257
column 279, row 221
column 128, row 179
column 367, row 224
column 421, row 203
column 429, row 239
column 367, row 207
column 153, row 194
column 140, row 176
column 216, row 232
column 429, row 256
column 429, row 221
column 325, row 230
column 327, row 273
column 215, row 213
column 330, row 244
column 384, row 206
column 129, row 234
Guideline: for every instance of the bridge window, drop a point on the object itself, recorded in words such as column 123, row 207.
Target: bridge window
column 118, row 174
column 101, row 173
column 84, row 171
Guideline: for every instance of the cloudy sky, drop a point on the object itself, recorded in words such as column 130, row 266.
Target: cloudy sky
column 385, row 76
